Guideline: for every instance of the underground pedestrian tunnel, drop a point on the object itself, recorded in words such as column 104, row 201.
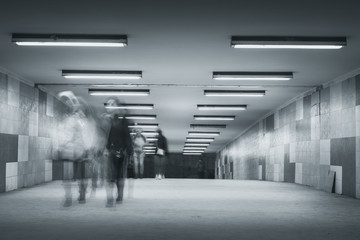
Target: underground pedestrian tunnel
column 259, row 103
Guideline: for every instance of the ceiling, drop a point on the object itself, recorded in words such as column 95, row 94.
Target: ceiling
column 177, row 45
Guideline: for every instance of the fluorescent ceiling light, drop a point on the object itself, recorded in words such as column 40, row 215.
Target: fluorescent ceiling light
column 281, row 76
column 150, row 133
column 222, row 107
column 188, row 153
column 101, row 74
column 140, row 117
column 194, row 148
column 69, row 40
column 119, row 92
column 207, row 125
column 216, row 118
column 234, row 93
column 196, row 144
column 149, row 147
column 132, row 106
column 200, row 139
column 204, row 133
column 144, row 125
column 193, row 151
column 288, row 42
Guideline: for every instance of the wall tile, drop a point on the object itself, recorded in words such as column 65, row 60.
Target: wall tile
column 348, row 93
column 23, row 148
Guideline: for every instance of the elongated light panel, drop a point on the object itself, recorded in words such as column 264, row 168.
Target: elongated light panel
column 118, row 92
column 215, row 118
column 204, row 133
column 101, row 74
column 272, row 76
column 262, row 42
column 69, row 40
column 221, row 107
column 132, row 106
column 234, row 93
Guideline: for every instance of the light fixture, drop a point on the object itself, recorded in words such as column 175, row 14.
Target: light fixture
column 194, row 148
column 204, row 133
column 200, row 139
column 149, row 147
column 193, row 151
column 222, row 107
column 216, row 118
column 188, row 144
column 288, row 42
column 234, row 93
column 188, row 153
column 151, row 139
column 101, row 74
column 119, row 92
column 132, row 106
column 207, row 125
column 140, row 117
column 281, row 76
column 69, row 40
column 144, row 125
column 150, row 133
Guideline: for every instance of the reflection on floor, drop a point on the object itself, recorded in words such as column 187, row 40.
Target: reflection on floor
column 174, row 209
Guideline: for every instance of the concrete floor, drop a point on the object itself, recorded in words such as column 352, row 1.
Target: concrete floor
column 174, row 209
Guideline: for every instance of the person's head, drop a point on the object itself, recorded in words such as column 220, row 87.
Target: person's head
column 112, row 105
column 69, row 98
column 137, row 131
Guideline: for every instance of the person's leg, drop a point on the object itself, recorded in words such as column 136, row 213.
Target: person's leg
column 141, row 163
column 82, row 180
column 67, row 189
column 110, row 179
column 120, row 179
column 157, row 166
column 163, row 166
column 136, row 164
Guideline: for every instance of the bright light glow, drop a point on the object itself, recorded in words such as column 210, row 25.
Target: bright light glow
column 197, row 144
column 274, row 46
column 194, row 148
column 151, row 139
column 150, row 133
column 70, row 44
column 141, row 117
column 204, row 133
column 188, row 153
column 233, row 94
column 193, row 151
column 200, row 139
column 216, row 118
column 101, row 77
column 149, row 147
column 253, row 78
column 221, row 107
column 118, row 93
column 144, row 126
column 135, row 107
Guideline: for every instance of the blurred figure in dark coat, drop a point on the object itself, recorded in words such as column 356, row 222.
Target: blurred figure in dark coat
column 119, row 148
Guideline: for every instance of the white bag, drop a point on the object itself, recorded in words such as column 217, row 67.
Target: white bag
column 160, row 152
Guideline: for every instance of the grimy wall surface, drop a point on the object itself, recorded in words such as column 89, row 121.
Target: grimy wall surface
column 27, row 116
column 303, row 142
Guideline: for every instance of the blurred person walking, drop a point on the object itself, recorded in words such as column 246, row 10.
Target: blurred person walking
column 139, row 141
column 119, row 148
column 161, row 154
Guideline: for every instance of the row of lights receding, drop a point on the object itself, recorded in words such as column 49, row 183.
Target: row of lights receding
column 193, row 145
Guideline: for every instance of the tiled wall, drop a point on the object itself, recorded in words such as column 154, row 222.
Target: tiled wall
column 302, row 142
column 27, row 116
